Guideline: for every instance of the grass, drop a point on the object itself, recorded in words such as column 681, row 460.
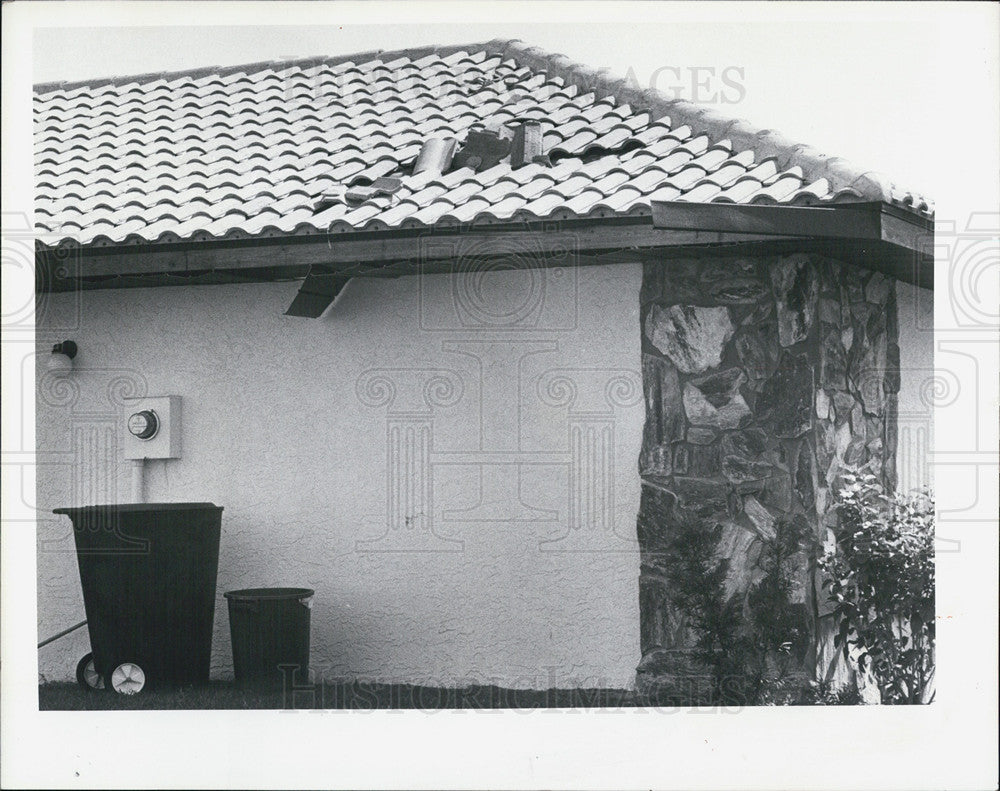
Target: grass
column 65, row 696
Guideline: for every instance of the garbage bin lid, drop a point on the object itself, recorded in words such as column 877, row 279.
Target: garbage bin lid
column 135, row 507
column 257, row 594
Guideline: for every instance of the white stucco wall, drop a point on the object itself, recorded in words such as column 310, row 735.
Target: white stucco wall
column 450, row 462
column 919, row 386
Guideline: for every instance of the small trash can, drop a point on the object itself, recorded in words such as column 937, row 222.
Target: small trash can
column 270, row 633
column 148, row 574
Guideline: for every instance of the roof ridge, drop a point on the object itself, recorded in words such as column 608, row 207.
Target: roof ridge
column 224, row 71
column 766, row 143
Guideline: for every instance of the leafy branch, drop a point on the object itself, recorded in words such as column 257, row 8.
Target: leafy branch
column 880, row 577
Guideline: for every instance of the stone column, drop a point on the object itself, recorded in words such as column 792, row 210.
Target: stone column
column 763, row 377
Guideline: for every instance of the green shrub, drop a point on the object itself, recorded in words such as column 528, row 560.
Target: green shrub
column 744, row 639
column 881, row 583
column 774, row 625
column 822, row 693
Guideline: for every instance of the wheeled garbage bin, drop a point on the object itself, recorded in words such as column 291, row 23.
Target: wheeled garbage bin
column 148, row 573
column 270, row 631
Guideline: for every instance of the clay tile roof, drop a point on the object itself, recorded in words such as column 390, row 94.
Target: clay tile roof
column 241, row 151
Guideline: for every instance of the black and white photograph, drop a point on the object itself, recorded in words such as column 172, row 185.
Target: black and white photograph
column 488, row 395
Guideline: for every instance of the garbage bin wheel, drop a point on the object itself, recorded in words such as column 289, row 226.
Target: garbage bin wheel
column 87, row 675
column 127, row 679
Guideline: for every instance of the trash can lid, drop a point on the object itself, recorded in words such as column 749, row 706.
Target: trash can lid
column 135, row 507
column 257, row 594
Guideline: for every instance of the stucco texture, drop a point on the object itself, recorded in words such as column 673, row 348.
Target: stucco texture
column 449, row 460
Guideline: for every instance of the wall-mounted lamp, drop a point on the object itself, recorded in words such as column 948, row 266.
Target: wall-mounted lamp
column 62, row 356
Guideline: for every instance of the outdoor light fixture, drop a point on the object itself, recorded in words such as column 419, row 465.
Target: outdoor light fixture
column 61, row 359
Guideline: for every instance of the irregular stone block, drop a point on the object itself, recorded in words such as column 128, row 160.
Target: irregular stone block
column 847, row 338
column 851, row 290
column 822, row 405
column 655, row 460
column 843, row 404
column 799, row 578
column 822, row 498
column 662, row 625
column 876, row 327
column 824, row 446
column 877, row 289
column 804, row 479
column 892, row 368
column 796, row 288
column 777, row 492
column 720, row 388
column 741, row 547
column 682, row 281
column 860, row 311
column 762, row 312
column 858, row 420
column 842, row 439
column 832, row 360
column 873, row 427
column 692, row 337
column 716, row 401
column 738, row 470
column 656, row 508
column 829, row 311
column 891, row 425
column 870, row 376
column 682, row 459
column 724, row 270
column 706, row 498
column 699, row 435
column 739, row 291
column 757, row 349
column 703, row 461
column 751, row 487
column 749, row 444
column 786, row 400
column 855, row 456
column 760, row 519
column 838, row 446
column 664, row 414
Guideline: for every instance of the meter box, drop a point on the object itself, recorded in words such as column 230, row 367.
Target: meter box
column 153, row 427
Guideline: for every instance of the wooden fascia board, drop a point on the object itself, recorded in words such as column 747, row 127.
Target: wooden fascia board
column 874, row 230
column 380, row 254
column 845, row 221
column 852, row 228
column 863, row 221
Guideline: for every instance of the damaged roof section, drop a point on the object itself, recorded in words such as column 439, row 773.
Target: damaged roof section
column 493, row 133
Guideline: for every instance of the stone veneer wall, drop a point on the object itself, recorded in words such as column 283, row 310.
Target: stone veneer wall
column 763, row 378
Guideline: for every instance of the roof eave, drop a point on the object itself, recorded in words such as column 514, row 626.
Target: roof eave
column 876, row 236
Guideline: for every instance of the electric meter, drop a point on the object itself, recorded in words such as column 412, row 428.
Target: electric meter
column 151, row 427
column 144, row 424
